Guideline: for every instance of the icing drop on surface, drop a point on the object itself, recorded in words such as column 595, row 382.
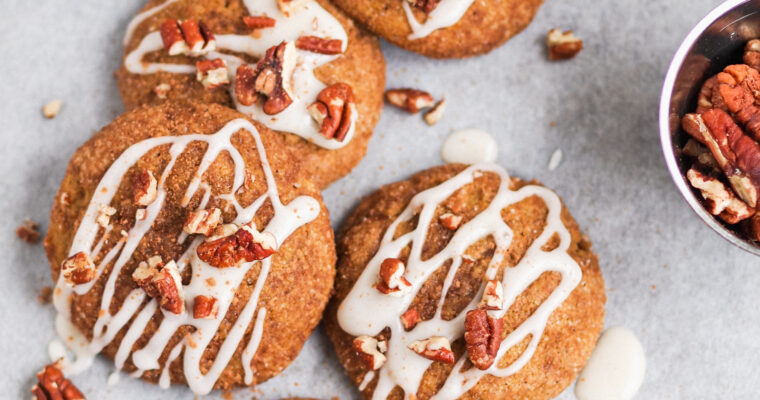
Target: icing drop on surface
column 447, row 13
column 616, row 368
column 469, row 146
column 366, row 311
column 140, row 309
column 312, row 20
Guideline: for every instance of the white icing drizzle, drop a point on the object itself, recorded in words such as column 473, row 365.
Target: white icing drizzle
column 447, row 13
column 366, row 311
column 142, row 17
column 616, row 368
column 469, row 146
column 312, row 20
column 137, row 307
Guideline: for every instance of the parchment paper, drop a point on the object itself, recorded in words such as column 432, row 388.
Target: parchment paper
column 689, row 296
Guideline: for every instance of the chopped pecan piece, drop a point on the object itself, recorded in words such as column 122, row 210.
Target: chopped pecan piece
column 258, row 21
column 51, row 109
column 270, row 79
column 482, row 337
column 212, row 73
column 740, row 88
column 289, row 7
column 78, row 269
column 246, row 244
column 437, row 348
column 334, row 111
column 320, row 45
column 563, row 45
column 752, row 54
column 434, row 115
column 161, row 282
column 392, row 279
column 451, row 221
column 205, row 307
column 162, row 90
column 52, row 385
column 188, row 37
column 104, row 215
column 427, row 6
column 709, row 96
column 410, row 100
column 719, row 200
column 370, row 351
column 28, row 232
column 493, row 296
column 203, row 222
column 410, row 318
column 144, row 188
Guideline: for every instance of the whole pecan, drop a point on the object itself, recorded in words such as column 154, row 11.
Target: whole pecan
column 334, row 110
column 709, row 96
column 52, row 385
column 245, row 244
column 270, row 79
column 427, row 6
column 482, row 337
column 740, row 89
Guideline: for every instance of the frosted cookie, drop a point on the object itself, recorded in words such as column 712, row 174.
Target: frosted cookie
column 444, row 28
column 523, row 299
column 300, row 67
column 187, row 246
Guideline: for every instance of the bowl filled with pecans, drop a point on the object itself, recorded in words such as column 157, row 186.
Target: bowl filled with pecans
column 710, row 121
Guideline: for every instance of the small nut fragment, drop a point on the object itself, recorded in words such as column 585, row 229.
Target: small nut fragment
column 320, row 45
column 437, row 348
column 392, row 280
column 434, row 115
column 752, row 54
column 188, row 37
column 212, row 73
column 410, row 100
column 563, row 45
column 246, row 244
column 410, row 318
column 144, row 188
column 258, row 21
column 290, row 7
column 451, row 221
column 427, row 6
column 140, row 214
column 51, row 109
column 270, row 79
column 162, row 90
column 493, row 296
column 161, row 282
column 719, row 200
column 482, row 337
column 205, row 307
column 78, row 269
column 52, row 385
column 334, row 111
column 28, row 232
column 203, row 222
column 370, row 351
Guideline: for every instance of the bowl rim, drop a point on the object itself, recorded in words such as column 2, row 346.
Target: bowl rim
column 665, row 134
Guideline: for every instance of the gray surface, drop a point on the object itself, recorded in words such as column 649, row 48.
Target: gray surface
column 686, row 293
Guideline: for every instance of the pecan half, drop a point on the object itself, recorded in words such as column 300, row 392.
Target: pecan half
column 320, row 45
column 410, row 100
column 427, row 6
column 144, row 188
column 212, row 73
column 370, row 351
column 205, row 307
column 437, row 348
column 270, row 79
column 334, row 111
column 719, row 200
column 410, row 318
column 450, row 221
column 752, row 54
column 482, row 337
column 258, row 21
column 493, row 296
column 188, row 37
column 52, row 385
column 161, row 282
column 78, row 269
column 246, row 244
column 28, row 232
column 740, row 88
column 203, row 222
column 392, row 279
column 709, row 96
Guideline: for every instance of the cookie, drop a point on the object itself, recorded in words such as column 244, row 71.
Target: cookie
column 524, row 296
column 187, row 246
column 321, row 49
column 444, row 28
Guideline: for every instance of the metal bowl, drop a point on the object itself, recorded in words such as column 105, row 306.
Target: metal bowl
column 716, row 42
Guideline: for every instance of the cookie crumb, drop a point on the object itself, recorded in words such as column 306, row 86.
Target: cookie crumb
column 51, row 109
column 45, row 296
column 28, row 232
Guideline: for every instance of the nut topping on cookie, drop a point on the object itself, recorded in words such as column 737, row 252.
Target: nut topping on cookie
column 246, row 244
column 482, row 337
column 270, row 79
column 212, row 73
column 52, row 385
column 392, row 279
column 719, row 200
column 493, row 296
column 289, row 7
column 437, row 348
column 187, row 37
column 563, row 45
column 451, row 221
column 144, row 188
column 334, row 110
column 78, row 269
column 162, row 90
column 203, row 222
column 162, row 283
column 410, row 100
column 258, row 21
column 427, row 6
column 205, row 307
column 370, row 351
column 410, row 318
column 320, row 45
column 104, row 215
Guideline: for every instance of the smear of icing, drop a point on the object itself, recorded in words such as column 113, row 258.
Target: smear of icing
column 287, row 218
column 366, row 311
column 616, row 368
column 312, row 20
column 469, row 146
column 447, row 13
